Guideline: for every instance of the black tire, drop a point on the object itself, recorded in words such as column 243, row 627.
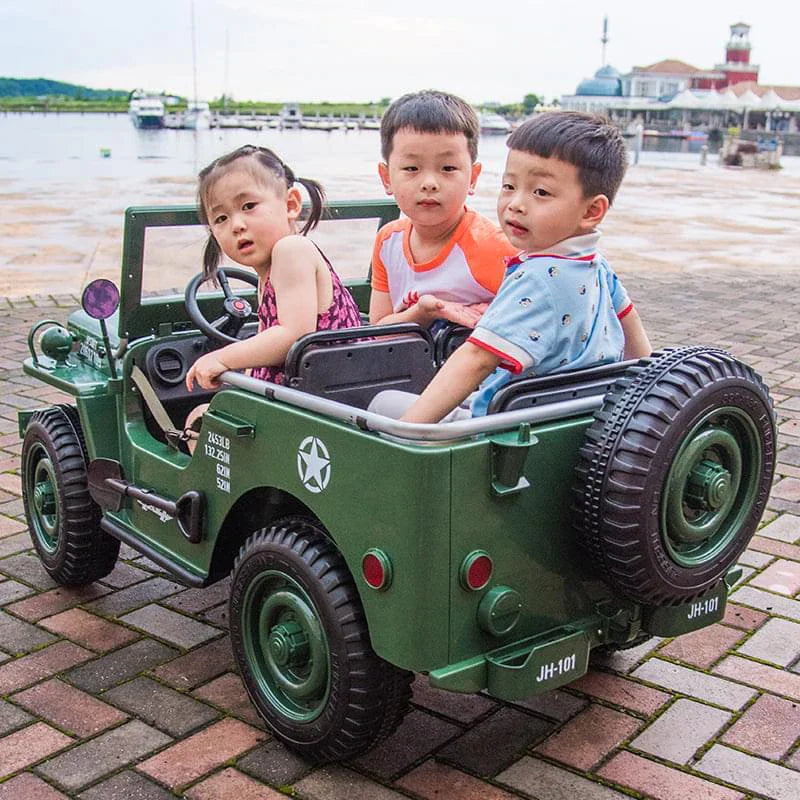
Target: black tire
column 674, row 473
column 63, row 520
column 301, row 641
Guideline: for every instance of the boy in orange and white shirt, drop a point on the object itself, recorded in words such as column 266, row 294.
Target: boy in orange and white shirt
column 442, row 260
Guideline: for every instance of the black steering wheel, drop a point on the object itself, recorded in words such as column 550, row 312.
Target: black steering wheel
column 236, row 311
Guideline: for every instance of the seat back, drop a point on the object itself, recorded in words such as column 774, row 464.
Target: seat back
column 352, row 365
column 528, row 392
column 447, row 339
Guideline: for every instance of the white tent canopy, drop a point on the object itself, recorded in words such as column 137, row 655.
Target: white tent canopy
column 684, row 99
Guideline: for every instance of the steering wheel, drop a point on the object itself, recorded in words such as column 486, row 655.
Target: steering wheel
column 235, row 310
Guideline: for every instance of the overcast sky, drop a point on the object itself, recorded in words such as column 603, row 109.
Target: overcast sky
column 364, row 50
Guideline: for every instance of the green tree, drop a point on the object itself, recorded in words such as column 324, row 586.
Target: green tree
column 529, row 102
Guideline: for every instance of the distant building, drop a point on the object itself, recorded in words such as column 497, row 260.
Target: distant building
column 675, row 93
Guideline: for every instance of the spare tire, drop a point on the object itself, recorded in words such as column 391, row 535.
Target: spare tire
column 674, row 473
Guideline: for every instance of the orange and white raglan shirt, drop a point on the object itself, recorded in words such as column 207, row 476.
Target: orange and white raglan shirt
column 468, row 269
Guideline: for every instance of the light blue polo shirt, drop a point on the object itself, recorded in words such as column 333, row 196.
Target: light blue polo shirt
column 554, row 312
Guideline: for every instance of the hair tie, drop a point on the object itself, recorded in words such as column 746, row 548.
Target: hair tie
column 287, row 171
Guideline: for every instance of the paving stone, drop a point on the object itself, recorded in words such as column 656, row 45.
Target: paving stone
column 42, row 664
column 200, row 665
column 171, row 626
column 228, row 693
column 767, row 601
column 589, row 737
column 542, row 780
column 659, row 782
column 191, row 758
column 116, row 667
column 681, row 731
column 126, row 785
column 132, row 597
column 193, row 601
column 17, row 636
column 434, row 781
column 786, row 527
column 704, row 647
column 124, row 575
column 164, row 708
column 624, row 660
column 418, row 735
column 787, row 489
column 695, row 684
column 47, row 603
column 750, row 773
column 232, row 784
column 621, row 691
column 88, row 630
column 28, row 787
column 29, row 745
column 104, row 754
column 768, row 728
column 746, row 619
column 752, row 558
column 339, row 783
column 69, row 708
column 775, row 548
column 12, row 717
column 274, row 763
column 558, row 705
column 777, row 641
column 27, row 567
column 464, row 708
column 782, row 576
column 12, row 527
column 760, row 675
column 13, row 590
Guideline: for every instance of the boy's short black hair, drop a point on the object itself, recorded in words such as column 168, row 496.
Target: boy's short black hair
column 430, row 111
column 588, row 141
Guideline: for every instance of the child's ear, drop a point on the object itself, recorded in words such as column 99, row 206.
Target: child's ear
column 383, row 171
column 595, row 209
column 473, row 177
column 294, row 203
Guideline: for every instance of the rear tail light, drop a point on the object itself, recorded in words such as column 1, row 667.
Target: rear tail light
column 476, row 570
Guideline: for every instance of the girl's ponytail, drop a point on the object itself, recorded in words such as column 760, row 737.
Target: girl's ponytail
column 212, row 255
column 316, row 195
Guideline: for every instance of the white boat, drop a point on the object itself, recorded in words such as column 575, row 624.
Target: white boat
column 290, row 116
column 492, row 123
column 146, row 111
column 197, row 116
column 251, row 123
column 321, row 123
column 369, row 123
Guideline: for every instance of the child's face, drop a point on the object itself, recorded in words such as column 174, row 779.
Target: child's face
column 430, row 175
column 542, row 202
column 248, row 217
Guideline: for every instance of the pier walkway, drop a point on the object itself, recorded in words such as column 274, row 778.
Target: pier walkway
column 126, row 689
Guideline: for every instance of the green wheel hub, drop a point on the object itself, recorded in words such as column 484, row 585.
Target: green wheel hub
column 285, row 645
column 711, row 486
column 42, row 488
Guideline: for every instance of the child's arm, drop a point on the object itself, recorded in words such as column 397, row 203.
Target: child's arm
column 459, row 376
column 424, row 311
column 294, row 276
column 637, row 344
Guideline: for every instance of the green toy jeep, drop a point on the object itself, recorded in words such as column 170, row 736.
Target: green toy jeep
column 586, row 510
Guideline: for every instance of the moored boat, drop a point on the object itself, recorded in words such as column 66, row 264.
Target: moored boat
column 146, row 111
column 492, row 123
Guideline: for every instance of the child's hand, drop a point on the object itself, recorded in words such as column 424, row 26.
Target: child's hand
column 461, row 314
column 205, row 371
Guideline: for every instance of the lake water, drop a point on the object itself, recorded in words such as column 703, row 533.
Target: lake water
column 62, row 204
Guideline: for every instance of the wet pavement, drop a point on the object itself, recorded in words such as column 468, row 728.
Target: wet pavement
column 126, row 688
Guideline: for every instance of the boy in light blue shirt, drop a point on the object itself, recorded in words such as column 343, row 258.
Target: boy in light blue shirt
column 561, row 306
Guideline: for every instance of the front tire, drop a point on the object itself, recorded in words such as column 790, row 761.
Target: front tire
column 301, row 641
column 63, row 520
column 675, row 473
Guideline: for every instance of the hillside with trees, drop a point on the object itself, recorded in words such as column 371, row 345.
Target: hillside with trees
column 43, row 87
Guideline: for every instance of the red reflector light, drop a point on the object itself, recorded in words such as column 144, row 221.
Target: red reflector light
column 476, row 570
column 377, row 569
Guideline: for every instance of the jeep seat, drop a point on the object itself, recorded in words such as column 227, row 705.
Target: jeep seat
column 352, row 365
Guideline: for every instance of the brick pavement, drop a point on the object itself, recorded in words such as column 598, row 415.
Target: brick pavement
column 94, row 706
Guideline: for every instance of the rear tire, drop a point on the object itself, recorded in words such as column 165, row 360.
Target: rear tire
column 302, row 644
column 675, row 473
column 63, row 520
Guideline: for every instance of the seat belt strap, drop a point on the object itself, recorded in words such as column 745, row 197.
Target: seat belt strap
column 154, row 404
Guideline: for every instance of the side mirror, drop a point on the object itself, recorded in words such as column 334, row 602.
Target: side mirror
column 100, row 299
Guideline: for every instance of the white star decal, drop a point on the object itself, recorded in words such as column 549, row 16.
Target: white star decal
column 313, row 464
